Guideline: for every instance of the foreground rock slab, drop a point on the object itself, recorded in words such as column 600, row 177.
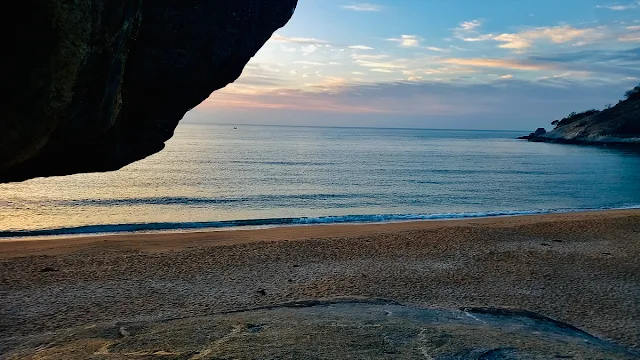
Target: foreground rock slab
column 333, row 329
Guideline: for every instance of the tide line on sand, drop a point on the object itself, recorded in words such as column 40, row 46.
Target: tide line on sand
column 275, row 222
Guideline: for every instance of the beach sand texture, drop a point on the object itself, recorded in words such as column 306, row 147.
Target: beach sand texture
column 577, row 268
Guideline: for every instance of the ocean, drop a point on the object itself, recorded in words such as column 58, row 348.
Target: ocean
column 215, row 176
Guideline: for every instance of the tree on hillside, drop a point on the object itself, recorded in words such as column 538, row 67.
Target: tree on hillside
column 573, row 117
column 633, row 93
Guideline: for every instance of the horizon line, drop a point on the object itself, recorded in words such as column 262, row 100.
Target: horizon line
column 348, row 127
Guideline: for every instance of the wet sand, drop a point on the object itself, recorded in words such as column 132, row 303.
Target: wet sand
column 580, row 268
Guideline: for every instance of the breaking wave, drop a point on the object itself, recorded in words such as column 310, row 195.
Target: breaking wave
column 274, row 222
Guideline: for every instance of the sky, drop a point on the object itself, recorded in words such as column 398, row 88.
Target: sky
column 451, row 64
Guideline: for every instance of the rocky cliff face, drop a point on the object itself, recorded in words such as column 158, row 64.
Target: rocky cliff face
column 97, row 84
column 617, row 125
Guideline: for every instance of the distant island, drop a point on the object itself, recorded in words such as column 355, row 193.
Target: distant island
column 619, row 124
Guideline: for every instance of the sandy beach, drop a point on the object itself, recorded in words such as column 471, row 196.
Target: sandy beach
column 578, row 268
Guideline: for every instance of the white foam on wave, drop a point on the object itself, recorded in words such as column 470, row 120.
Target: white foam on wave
column 276, row 222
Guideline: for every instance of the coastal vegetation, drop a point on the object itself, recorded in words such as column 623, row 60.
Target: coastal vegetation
column 632, row 94
column 573, row 117
column 619, row 124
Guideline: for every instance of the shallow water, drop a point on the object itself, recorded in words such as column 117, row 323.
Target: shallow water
column 215, row 176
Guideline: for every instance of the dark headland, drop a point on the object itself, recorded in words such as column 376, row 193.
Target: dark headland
column 97, row 85
column 617, row 125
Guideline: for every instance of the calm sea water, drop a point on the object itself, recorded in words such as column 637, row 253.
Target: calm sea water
column 214, row 176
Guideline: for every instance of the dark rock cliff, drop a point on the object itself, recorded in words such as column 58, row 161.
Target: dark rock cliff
column 93, row 85
column 616, row 125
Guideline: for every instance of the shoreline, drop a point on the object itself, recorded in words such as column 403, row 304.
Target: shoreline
column 577, row 268
column 271, row 223
column 166, row 240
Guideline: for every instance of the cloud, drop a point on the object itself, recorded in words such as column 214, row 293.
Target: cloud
column 525, row 39
column 580, row 64
column 259, row 80
column 592, row 57
column 508, row 76
column 603, row 63
column 553, row 79
column 360, row 47
column 296, row 40
column 430, row 103
column 379, row 64
column 468, row 31
column 512, row 41
column 632, row 36
column 470, row 25
column 369, row 56
column 257, row 77
column 310, row 63
column 619, row 7
column 555, row 34
column 476, row 38
column 437, row 49
column 499, row 63
column 309, row 49
column 407, row 40
column 266, row 68
column 288, row 49
column 363, row 7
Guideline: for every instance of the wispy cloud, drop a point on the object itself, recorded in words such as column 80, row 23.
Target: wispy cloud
column 309, row 49
column 475, row 38
column 468, row 31
column 296, row 40
column 407, row 40
column 497, row 100
column 437, row 49
column 632, row 36
column 525, row 39
column 360, row 47
column 635, row 37
column 620, row 7
column 555, row 34
column 469, row 26
column 310, row 63
column 500, row 63
column 602, row 63
column 369, row 56
column 503, row 66
column 363, row 7
column 288, row 49
column 379, row 64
